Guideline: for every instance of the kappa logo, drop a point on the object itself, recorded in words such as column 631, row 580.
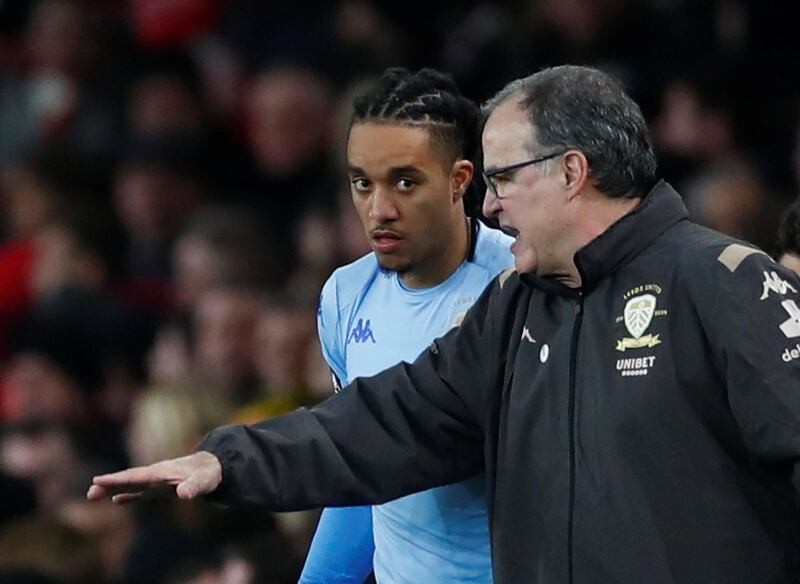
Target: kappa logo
column 774, row 283
column 638, row 315
column 791, row 327
column 362, row 332
column 526, row 335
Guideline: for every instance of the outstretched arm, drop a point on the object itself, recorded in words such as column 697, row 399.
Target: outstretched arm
column 193, row 475
column 410, row 428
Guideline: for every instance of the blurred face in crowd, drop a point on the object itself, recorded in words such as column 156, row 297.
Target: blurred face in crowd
column 196, row 269
column 286, row 113
column 530, row 205
column 57, row 37
column 46, row 456
column 61, row 262
column 225, row 321
column 164, row 104
column 28, row 202
column 152, row 202
column 409, row 198
column 37, row 388
column 732, row 201
column 281, row 336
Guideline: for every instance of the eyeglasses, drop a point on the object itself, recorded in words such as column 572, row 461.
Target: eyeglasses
column 488, row 176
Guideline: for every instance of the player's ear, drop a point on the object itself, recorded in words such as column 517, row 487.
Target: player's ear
column 575, row 169
column 460, row 177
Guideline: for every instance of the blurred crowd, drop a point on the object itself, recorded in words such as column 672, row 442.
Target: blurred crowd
column 172, row 198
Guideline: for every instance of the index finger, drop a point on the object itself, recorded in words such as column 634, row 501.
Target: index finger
column 141, row 476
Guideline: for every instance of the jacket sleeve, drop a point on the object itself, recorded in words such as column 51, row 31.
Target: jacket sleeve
column 753, row 325
column 409, row 428
column 342, row 549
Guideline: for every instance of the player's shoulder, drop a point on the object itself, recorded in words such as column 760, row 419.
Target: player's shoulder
column 349, row 281
column 704, row 250
column 492, row 249
column 714, row 261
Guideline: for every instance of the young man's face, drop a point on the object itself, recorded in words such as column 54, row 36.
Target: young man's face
column 408, row 199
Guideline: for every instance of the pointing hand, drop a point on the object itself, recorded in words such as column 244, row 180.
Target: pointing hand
column 192, row 475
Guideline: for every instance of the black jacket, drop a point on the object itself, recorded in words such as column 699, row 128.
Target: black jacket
column 643, row 429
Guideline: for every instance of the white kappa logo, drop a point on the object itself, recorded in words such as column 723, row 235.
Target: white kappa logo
column 526, row 335
column 774, row 283
column 639, row 313
column 791, row 328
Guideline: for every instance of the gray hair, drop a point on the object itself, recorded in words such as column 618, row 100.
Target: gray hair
column 585, row 109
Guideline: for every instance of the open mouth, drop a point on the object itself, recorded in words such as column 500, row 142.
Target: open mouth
column 385, row 240
column 510, row 231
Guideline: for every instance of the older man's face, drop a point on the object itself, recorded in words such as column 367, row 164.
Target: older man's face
column 530, row 204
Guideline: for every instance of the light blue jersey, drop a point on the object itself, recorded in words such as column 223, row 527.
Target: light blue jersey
column 369, row 321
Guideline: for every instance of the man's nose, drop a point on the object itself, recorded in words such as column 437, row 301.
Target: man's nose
column 383, row 207
column 491, row 204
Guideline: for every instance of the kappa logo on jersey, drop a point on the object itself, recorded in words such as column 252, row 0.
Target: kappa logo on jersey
column 362, row 332
column 774, row 283
column 638, row 315
column 791, row 328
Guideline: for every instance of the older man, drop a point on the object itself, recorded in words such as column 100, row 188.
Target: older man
column 634, row 400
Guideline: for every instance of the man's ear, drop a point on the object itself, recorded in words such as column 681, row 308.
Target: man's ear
column 460, row 177
column 576, row 172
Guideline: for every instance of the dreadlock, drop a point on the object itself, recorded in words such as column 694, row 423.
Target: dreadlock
column 432, row 100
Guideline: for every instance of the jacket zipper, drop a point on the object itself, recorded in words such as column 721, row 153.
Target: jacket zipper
column 573, row 357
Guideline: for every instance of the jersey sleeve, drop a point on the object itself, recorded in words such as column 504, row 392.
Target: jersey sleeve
column 753, row 323
column 329, row 328
column 342, row 549
column 407, row 429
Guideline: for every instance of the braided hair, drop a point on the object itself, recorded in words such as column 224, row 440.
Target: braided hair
column 431, row 100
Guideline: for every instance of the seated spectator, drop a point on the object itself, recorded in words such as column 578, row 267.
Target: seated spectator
column 158, row 183
column 224, row 325
column 283, row 332
column 44, row 550
column 731, row 197
column 219, row 245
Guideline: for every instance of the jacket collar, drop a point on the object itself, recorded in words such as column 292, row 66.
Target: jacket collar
column 625, row 239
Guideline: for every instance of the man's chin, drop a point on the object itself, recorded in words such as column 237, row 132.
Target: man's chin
column 389, row 263
column 525, row 265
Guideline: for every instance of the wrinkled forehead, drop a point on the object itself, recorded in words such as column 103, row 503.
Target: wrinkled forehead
column 507, row 134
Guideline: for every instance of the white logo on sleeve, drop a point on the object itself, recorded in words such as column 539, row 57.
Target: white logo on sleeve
column 774, row 283
column 791, row 328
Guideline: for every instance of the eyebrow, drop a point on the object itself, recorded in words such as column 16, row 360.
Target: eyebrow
column 407, row 169
column 392, row 171
column 354, row 169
